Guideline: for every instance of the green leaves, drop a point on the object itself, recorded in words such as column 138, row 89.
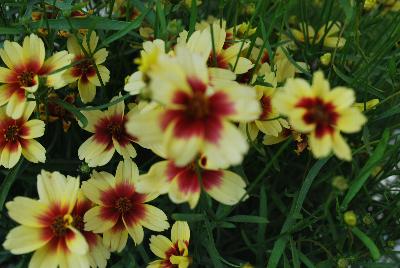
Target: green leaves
column 9, row 181
column 367, row 242
column 366, row 171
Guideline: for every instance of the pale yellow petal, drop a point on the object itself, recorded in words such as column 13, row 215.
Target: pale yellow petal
column 180, row 231
column 159, row 245
column 155, row 219
column 26, row 211
column 23, row 239
column 340, row 147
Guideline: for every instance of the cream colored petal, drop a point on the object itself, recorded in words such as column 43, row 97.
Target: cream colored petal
column 155, row 219
column 26, row 211
column 76, row 242
column 10, row 156
column 16, row 105
column 159, row 245
column 115, row 240
column 351, row 120
column 87, row 90
column 34, row 152
column 36, row 129
column 44, row 258
column 154, row 180
column 320, row 147
column 96, row 223
column 100, row 56
column 180, row 231
column 136, row 232
column 341, row 97
column 23, row 239
column 127, row 171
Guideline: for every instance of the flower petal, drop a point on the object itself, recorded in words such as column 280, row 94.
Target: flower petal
column 26, row 211
column 10, row 154
column 155, row 219
column 180, row 232
column 23, row 239
column 340, row 147
column 76, row 242
column 115, row 240
column 159, row 245
column 97, row 221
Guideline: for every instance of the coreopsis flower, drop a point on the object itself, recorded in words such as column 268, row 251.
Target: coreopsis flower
column 184, row 184
column 198, row 111
column 284, row 67
column 174, row 252
column 119, row 210
column 109, row 135
column 17, row 137
column 327, row 34
column 47, row 225
column 320, row 112
column 227, row 54
column 121, row 10
column 148, row 58
column 269, row 121
column 25, row 65
column 84, row 70
column 97, row 254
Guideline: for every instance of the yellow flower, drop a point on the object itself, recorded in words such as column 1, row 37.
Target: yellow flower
column 17, row 136
column 25, row 64
column 109, row 135
column 119, row 210
column 320, row 112
column 174, row 252
column 327, row 34
column 367, row 105
column 326, row 59
column 85, row 71
column 199, row 109
column 148, row 58
column 268, row 122
column 47, row 225
column 227, row 51
column 184, row 184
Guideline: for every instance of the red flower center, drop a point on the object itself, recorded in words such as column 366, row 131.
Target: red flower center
column 123, row 205
column 26, row 79
column 11, row 133
column 60, row 225
column 320, row 113
column 116, row 130
column 78, row 222
column 266, row 107
column 197, row 107
column 85, row 65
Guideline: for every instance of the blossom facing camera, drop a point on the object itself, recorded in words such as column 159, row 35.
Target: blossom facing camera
column 118, row 209
column 47, row 225
column 321, row 113
column 174, row 252
column 17, row 136
column 25, row 65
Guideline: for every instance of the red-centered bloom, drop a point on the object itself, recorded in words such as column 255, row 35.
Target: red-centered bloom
column 198, row 111
column 25, row 64
column 98, row 254
column 320, row 112
column 85, row 69
column 17, row 137
column 119, row 210
column 109, row 135
column 47, row 225
column 184, row 184
column 173, row 253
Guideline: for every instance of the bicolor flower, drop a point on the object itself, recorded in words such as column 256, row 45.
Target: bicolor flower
column 17, row 137
column 47, row 225
column 228, row 56
column 25, row 65
column 198, row 112
column 269, row 122
column 320, row 112
column 184, row 184
column 109, row 135
column 327, row 34
column 86, row 61
column 174, row 252
column 119, row 210
column 148, row 58
column 97, row 254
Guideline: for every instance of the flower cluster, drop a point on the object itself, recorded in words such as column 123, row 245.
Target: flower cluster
column 201, row 100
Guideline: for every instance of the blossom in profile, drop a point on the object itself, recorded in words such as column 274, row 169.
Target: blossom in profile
column 109, row 135
column 17, row 136
column 227, row 52
column 174, row 252
column 148, row 58
column 47, row 226
column 85, row 63
column 24, row 66
column 97, row 254
column 327, row 34
column 119, row 209
column 198, row 111
column 184, row 184
column 321, row 113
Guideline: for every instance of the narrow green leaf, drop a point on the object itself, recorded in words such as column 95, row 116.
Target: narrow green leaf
column 128, row 28
column 366, row 171
column 162, row 19
column 280, row 244
column 193, row 17
column 247, row 218
column 304, row 259
column 373, row 249
column 9, row 181
column 188, row 217
column 71, row 108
